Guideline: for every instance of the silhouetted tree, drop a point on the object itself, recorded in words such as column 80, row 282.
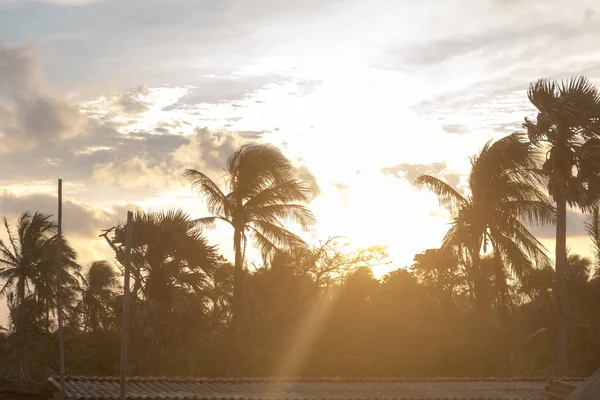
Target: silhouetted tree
column 171, row 263
column 28, row 267
column 504, row 193
column 98, row 291
column 262, row 192
column 568, row 125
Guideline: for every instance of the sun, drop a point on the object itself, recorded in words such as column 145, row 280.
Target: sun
column 374, row 209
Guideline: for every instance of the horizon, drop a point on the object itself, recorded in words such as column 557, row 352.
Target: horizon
column 117, row 98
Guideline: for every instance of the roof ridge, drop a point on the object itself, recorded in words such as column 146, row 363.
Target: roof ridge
column 317, row 379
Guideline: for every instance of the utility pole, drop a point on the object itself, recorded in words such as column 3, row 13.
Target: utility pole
column 125, row 323
column 61, row 341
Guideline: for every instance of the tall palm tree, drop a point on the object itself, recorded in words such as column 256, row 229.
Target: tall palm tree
column 504, row 194
column 26, row 262
column 568, row 126
column 98, row 289
column 262, row 193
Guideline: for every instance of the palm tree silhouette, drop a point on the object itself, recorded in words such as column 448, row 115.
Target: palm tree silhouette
column 98, row 290
column 170, row 265
column 27, row 263
column 504, row 194
column 262, row 193
column 568, row 125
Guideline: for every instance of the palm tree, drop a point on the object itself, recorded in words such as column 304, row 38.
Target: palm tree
column 98, row 289
column 262, row 193
column 568, row 125
column 44, row 286
column 171, row 267
column 504, row 194
column 26, row 264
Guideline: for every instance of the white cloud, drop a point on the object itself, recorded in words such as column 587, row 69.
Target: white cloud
column 31, row 113
column 134, row 173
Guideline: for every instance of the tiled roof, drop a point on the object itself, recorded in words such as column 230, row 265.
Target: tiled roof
column 107, row 388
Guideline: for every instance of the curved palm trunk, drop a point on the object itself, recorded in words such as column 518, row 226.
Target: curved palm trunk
column 561, row 260
column 237, row 305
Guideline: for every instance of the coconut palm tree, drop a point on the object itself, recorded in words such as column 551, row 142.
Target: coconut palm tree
column 262, row 193
column 504, row 194
column 98, row 290
column 568, row 126
column 27, row 265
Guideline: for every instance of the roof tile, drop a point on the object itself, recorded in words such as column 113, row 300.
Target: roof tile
column 164, row 388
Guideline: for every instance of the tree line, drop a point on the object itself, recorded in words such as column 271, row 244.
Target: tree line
column 490, row 301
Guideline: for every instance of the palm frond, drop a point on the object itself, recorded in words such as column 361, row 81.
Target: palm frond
column 276, row 234
column 216, row 201
column 295, row 213
column 523, row 238
column 447, row 196
column 9, row 283
column 454, row 238
column 513, row 255
column 8, row 257
column 209, row 222
column 542, row 94
column 11, row 237
column 530, row 211
column 290, row 191
column 265, row 247
column 578, row 95
column 254, row 167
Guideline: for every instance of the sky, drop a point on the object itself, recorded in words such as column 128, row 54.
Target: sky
column 118, row 97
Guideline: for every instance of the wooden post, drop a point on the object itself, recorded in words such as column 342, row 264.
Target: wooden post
column 61, row 343
column 125, row 323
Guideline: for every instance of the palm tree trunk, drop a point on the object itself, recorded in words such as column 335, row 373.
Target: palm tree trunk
column 479, row 289
column 237, row 305
column 560, row 260
column 47, row 316
column 20, row 330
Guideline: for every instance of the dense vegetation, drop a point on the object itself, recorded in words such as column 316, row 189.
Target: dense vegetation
column 489, row 301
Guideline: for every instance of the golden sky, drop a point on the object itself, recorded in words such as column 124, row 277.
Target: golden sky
column 118, row 97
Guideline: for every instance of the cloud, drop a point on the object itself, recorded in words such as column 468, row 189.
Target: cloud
column 32, row 114
column 341, row 186
column 79, row 219
column 220, row 89
column 208, row 150
column 156, row 161
column 307, row 177
column 134, row 101
column 455, row 128
column 133, row 173
column 410, row 172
